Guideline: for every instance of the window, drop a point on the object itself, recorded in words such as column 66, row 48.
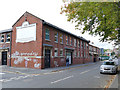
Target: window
column 81, row 44
column 70, row 41
column 61, row 52
column 75, row 53
column 84, row 54
column 56, row 37
column 87, row 54
column 75, row 43
column 56, row 52
column 78, row 43
column 87, row 45
column 61, row 38
column 47, row 34
column 2, row 37
column 84, row 45
column 67, row 40
column 78, row 53
column 81, row 54
column 8, row 37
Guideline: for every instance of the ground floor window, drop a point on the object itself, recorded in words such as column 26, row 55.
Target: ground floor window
column 56, row 52
column 61, row 52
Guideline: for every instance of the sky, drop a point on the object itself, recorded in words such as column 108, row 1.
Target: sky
column 49, row 10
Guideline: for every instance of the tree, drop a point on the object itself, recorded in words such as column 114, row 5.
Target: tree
column 113, row 53
column 99, row 18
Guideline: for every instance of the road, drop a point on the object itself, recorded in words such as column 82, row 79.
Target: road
column 79, row 77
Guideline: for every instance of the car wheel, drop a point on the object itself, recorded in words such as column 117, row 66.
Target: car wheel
column 100, row 72
column 115, row 71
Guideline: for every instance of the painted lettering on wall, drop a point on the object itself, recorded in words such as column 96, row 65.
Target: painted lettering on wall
column 27, row 57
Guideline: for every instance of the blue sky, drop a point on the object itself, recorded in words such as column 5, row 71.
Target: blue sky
column 49, row 10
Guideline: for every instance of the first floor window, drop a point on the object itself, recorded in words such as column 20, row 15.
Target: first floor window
column 84, row 45
column 84, row 54
column 2, row 37
column 78, row 53
column 75, row 43
column 71, row 41
column 61, row 38
column 56, row 52
column 78, row 43
column 67, row 40
column 47, row 34
column 81, row 54
column 56, row 37
column 8, row 37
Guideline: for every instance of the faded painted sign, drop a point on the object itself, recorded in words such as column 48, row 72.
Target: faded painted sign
column 27, row 57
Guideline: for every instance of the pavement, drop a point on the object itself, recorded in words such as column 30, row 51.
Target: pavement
column 20, row 70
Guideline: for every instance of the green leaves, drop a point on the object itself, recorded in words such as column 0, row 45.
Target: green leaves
column 100, row 18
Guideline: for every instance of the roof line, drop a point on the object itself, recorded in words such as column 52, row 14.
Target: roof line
column 44, row 22
column 6, row 30
column 23, row 15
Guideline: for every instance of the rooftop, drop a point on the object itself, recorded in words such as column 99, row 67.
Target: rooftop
column 6, row 30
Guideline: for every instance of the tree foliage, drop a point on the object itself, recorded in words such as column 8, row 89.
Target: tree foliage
column 99, row 18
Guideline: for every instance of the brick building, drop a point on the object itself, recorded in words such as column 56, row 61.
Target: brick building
column 94, row 53
column 39, row 44
column 5, row 39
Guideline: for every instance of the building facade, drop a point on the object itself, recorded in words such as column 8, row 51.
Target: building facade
column 94, row 53
column 102, row 51
column 5, row 44
column 39, row 44
column 35, row 43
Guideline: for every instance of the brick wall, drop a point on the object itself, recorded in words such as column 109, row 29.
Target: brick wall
column 62, row 60
column 25, row 54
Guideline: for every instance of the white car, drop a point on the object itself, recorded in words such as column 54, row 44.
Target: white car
column 109, row 67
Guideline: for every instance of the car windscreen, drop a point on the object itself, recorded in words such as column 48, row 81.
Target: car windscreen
column 108, row 63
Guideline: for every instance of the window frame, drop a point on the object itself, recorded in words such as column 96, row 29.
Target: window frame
column 7, row 38
column 47, row 34
column 56, row 37
column 57, row 52
column 2, row 38
column 60, row 52
column 70, row 41
column 61, row 38
column 75, row 42
column 67, row 41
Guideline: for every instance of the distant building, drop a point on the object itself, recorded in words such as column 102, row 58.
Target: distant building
column 108, row 52
column 94, row 53
column 5, row 38
column 102, row 51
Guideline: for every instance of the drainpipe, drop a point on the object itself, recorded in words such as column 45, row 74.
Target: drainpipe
column 10, row 47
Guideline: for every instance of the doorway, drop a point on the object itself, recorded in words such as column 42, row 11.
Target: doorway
column 4, row 58
column 47, row 58
column 69, row 55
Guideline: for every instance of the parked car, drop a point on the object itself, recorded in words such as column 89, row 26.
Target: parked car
column 109, row 67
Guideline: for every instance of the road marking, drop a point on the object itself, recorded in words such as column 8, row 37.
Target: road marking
column 2, row 80
column 61, row 79
column 112, row 81
column 2, row 73
column 96, row 77
column 84, row 72
column 15, row 78
column 87, row 71
column 109, row 82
